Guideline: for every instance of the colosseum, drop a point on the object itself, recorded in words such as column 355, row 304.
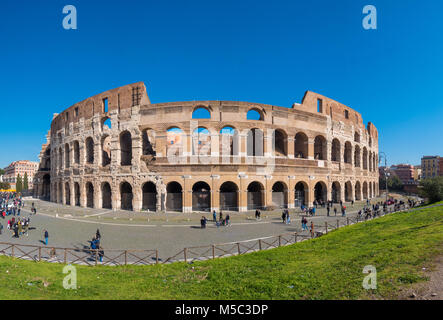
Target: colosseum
column 118, row 151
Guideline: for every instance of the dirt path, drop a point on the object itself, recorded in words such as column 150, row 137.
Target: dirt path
column 428, row 290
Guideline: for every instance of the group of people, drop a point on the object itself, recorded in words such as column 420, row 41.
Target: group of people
column 285, row 216
column 18, row 227
column 222, row 221
column 10, row 204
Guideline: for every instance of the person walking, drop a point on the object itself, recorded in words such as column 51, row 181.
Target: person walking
column 335, row 211
column 46, row 237
column 203, row 222
column 288, row 218
column 327, row 210
column 1, row 228
column 214, row 215
column 97, row 235
column 221, row 216
column 312, row 229
column 283, row 216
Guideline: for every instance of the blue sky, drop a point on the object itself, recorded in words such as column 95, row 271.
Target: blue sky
column 257, row 51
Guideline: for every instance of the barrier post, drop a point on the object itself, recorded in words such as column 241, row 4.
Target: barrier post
column 295, row 237
column 259, row 244
column 185, row 255
column 64, row 258
column 338, row 223
column 238, row 248
column 213, row 251
column 347, row 221
column 279, row 241
column 12, row 251
column 126, row 257
column 156, row 256
column 39, row 253
column 326, row 227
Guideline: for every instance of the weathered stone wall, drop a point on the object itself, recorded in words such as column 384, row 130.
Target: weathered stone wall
column 308, row 163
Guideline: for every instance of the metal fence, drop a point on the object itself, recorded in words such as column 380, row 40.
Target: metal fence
column 116, row 257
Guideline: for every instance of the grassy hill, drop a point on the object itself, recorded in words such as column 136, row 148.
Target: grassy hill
column 329, row 267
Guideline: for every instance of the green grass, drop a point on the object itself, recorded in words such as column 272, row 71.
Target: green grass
column 329, row 267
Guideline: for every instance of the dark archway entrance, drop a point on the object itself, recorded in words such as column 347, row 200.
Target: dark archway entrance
column 280, row 195
column 126, row 196
column 89, row 195
column 106, row 196
column 320, row 191
column 149, row 196
column 300, row 194
column 174, row 197
column 255, row 195
column 201, row 197
column 229, row 196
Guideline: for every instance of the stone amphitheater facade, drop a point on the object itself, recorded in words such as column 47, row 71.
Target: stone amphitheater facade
column 116, row 150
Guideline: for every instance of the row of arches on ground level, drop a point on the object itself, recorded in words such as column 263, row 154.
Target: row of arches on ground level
column 228, row 191
column 229, row 145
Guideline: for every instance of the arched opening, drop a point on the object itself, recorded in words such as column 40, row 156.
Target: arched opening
column 255, row 143
column 77, row 194
column 106, row 196
column 301, row 194
column 320, row 148
column 201, row 142
column 175, row 138
column 106, row 123
column 67, row 156
column 365, row 190
column 301, row 145
column 126, row 196
column 336, row 192
column 365, row 158
column 280, row 143
column 357, row 157
column 370, row 161
column 89, row 195
column 174, row 197
column 106, row 150
column 280, row 195
column 89, row 150
column 229, row 196
column 254, row 114
column 148, row 138
column 60, row 192
column 46, row 189
column 357, row 191
column 125, row 148
column 255, row 195
column 76, row 152
column 149, row 191
column 335, row 151
column 201, row 113
column 229, row 145
column 348, row 153
column 60, row 158
column 356, row 137
column 201, row 197
column 348, row 191
column 67, row 194
column 320, row 191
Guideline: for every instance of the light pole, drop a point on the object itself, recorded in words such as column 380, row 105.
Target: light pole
column 386, row 172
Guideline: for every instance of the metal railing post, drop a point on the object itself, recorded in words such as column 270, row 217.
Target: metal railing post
column 185, row 255
column 326, row 227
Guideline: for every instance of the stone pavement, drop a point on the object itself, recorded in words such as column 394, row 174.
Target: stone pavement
column 169, row 233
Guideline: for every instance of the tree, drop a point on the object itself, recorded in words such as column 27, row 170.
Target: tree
column 2, row 172
column 5, row 186
column 25, row 182
column 394, row 183
column 19, row 184
column 432, row 189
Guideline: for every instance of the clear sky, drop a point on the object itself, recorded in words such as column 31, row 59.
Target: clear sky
column 257, row 51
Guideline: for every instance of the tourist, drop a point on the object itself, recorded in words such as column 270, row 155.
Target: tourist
column 313, row 211
column 228, row 219
column 214, row 215
column 343, row 211
column 288, row 218
column 335, row 211
column 97, row 235
column 283, row 216
column 203, row 222
column 312, row 229
column 101, row 253
column 1, row 228
column 46, row 236
column 256, row 214
column 327, row 210
column 221, row 216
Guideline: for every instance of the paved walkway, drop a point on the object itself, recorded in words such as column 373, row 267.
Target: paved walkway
column 169, row 233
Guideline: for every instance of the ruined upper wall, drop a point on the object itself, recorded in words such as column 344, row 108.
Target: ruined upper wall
column 121, row 99
column 336, row 110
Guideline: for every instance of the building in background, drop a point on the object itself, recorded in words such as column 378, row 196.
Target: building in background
column 20, row 167
column 430, row 166
column 404, row 171
column 440, row 166
column 417, row 173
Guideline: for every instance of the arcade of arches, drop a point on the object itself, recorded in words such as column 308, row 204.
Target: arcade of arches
column 202, row 196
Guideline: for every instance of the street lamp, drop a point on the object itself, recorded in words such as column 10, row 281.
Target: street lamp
column 383, row 155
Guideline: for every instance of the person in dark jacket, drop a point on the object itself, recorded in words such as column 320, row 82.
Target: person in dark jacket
column 46, row 237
